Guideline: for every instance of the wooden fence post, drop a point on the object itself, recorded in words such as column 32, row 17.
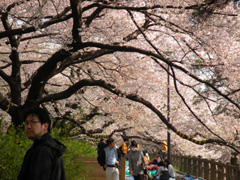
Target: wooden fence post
column 182, row 164
column 189, row 165
column 200, row 167
column 213, row 170
column 207, row 169
column 229, row 173
column 195, row 167
column 122, row 169
column 220, row 171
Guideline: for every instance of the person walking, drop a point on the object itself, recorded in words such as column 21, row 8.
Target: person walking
column 44, row 159
column 172, row 173
column 136, row 162
column 110, row 159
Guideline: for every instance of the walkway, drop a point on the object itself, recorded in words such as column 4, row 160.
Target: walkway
column 94, row 170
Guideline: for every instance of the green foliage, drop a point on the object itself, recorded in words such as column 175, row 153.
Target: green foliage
column 75, row 148
column 14, row 145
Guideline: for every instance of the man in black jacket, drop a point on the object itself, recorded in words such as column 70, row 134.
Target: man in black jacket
column 43, row 161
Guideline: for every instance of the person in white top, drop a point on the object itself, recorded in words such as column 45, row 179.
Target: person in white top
column 172, row 173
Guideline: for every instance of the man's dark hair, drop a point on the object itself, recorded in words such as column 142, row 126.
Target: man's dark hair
column 134, row 143
column 42, row 115
column 125, row 139
column 110, row 140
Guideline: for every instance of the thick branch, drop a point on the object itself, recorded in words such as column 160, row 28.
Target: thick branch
column 71, row 90
column 15, row 78
column 77, row 22
column 43, row 74
column 4, row 76
column 54, row 20
column 93, row 16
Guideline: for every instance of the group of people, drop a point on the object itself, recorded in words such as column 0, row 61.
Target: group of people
column 110, row 158
column 48, row 150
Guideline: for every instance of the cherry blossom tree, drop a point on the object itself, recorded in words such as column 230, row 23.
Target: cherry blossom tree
column 101, row 66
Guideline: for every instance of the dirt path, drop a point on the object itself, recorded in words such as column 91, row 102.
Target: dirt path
column 94, row 170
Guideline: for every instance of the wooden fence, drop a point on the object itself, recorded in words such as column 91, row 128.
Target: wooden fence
column 205, row 169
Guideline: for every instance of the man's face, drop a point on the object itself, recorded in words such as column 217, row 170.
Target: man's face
column 112, row 145
column 33, row 127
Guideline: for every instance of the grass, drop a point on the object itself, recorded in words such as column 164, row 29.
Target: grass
column 14, row 145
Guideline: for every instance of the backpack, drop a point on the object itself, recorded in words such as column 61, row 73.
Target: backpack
column 100, row 157
column 120, row 150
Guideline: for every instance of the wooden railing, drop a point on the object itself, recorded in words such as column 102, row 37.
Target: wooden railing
column 205, row 169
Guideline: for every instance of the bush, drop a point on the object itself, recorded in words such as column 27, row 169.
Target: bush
column 75, row 148
column 14, row 145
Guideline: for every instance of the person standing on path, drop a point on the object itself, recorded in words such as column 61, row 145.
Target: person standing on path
column 136, row 162
column 109, row 159
column 43, row 161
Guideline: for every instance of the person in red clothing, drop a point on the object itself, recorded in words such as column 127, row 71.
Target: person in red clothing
column 156, row 159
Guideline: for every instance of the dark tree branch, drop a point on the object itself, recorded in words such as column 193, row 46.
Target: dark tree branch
column 144, row 35
column 77, row 22
column 134, row 34
column 15, row 79
column 189, row 108
column 156, row 58
column 36, row 37
column 71, row 90
column 195, row 7
column 93, row 16
column 206, row 9
column 186, row 85
column 79, row 57
column 43, row 74
column 59, row 18
column 119, row 130
column 54, row 65
column 4, row 76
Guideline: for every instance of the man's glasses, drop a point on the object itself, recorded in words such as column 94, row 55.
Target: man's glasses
column 31, row 123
